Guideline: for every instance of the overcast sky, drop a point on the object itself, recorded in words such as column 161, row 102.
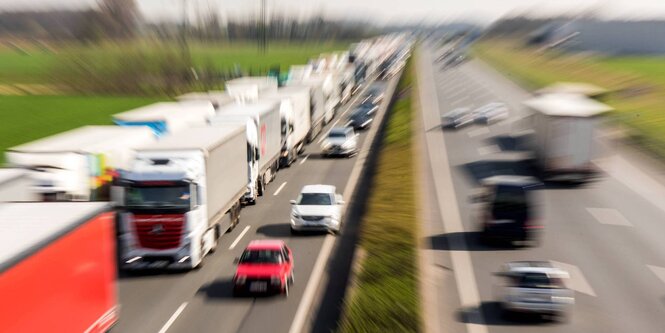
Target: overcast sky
column 381, row 11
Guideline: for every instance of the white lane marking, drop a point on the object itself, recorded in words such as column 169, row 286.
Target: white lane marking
column 635, row 179
column 304, row 159
column 491, row 149
column 659, row 271
column 446, row 198
column 173, row 318
column 235, row 242
column 577, row 280
column 327, row 247
column 609, row 216
column 279, row 189
column 477, row 132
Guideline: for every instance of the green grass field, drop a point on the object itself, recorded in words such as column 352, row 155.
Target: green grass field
column 385, row 297
column 37, row 64
column 637, row 83
column 27, row 118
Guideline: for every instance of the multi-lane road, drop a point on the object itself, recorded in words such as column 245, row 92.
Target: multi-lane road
column 201, row 300
column 607, row 234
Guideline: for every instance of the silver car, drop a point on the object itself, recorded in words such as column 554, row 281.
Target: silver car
column 534, row 287
column 490, row 113
column 457, row 118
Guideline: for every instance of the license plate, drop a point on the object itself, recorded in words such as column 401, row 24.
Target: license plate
column 159, row 264
column 258, row 286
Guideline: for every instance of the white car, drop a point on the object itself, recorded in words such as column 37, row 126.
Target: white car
column 318, row 208
column 341, row 141
column 534, row 287
column 490, row 113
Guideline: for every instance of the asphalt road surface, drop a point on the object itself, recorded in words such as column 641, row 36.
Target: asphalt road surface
column 201, row 300
column 608, row 234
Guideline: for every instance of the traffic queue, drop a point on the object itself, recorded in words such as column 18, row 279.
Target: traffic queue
column 159, row 188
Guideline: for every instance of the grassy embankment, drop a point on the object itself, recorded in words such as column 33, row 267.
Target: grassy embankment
column 385, row 296
column 24, row 118
column 637, row 83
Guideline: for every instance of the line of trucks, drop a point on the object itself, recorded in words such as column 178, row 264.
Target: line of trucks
column 157, row 190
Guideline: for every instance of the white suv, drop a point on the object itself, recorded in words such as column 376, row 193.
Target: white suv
column 318, row 208
column 534, row 287
column 340, row 141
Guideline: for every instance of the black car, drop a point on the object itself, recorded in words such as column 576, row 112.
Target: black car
column 360, row 120
column 373, row 95
column 366, row 107
column 508, row 212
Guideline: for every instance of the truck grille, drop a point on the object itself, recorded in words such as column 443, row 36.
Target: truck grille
column 159, row 232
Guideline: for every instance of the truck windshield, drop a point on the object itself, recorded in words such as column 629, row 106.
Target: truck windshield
column 159, row 196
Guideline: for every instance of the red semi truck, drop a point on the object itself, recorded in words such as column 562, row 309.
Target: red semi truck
column 57, row 267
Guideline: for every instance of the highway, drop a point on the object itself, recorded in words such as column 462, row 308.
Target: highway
column 608, row 234
column 201, row 300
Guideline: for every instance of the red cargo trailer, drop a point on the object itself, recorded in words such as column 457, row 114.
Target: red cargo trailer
column 57, row 267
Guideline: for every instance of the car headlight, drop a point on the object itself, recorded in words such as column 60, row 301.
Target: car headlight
column 347, row 144
column 240, row 279
column 295, row 215
column 275, row 280
column 325, row 145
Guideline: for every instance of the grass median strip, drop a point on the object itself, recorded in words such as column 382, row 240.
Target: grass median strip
column 385, row 296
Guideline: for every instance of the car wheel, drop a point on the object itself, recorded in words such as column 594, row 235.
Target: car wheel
column 286, row 289
column 294, row 232
column 291, row 279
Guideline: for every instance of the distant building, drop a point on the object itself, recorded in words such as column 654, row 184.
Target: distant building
column 611, row 37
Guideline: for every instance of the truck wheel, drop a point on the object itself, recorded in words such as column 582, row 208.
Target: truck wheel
column 215, row 240
column 260, row 187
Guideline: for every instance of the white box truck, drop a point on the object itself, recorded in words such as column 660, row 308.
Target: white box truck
column 216, row 97
column 16, row 186
column 263, row 123
column 299, row 76
column 295, row 120
column 167, row 117
column 181, row 194
column 562, row 136
column 79, row 164
column 249, row 88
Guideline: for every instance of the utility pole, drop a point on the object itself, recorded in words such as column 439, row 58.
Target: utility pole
column 185, row 25
column 263, row 41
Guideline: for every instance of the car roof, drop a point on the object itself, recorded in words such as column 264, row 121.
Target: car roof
column 542, row 267
column 511, row 180
column 266, row 244
column 318, row 188
column 342, row 130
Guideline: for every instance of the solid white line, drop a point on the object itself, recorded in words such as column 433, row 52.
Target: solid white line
column 304, row 159
column 235, row 242
column 446, row 197
column 279, row 188
column 173, row 318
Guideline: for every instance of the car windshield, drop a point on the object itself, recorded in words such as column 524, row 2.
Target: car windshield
column 261, row 257
column 337, row 135
column 537, row 280
column 314, row 199
column 158, row 196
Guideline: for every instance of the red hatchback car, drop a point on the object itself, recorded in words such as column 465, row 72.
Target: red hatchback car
column 266, row 266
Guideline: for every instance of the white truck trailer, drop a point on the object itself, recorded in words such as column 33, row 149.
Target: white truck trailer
column 79, row 164
column 562, row 136
column 250, row 88
column 301, row 76
column 263, row 122
column 296, row 123
column 16, row 186
column 181, row 194
column 216, row 97
column 167, row 117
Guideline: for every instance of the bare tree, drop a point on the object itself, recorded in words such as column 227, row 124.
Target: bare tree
column 119, row 17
